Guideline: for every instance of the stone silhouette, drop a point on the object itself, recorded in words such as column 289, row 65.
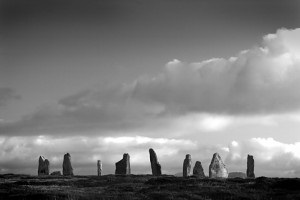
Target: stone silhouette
column 250, row 167
column 155, row 166
column 236, row 175
column 67, row 167
column 187, row 166
column 123, row 166
column 43, row 168
column 56, row 173
column 99, row 167
column 217, row 168
column 198, row 170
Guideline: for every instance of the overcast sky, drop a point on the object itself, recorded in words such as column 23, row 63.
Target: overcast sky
column 100, row 78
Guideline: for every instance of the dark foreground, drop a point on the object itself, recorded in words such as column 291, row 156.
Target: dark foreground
column 145, row 187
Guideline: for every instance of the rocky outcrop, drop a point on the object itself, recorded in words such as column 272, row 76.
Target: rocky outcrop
column 217, row 168
column 67, row 167
column 123, row 166
column 155, row 166
column 187, row 166
column 236, row 175
column 99, row 167
column 250, row 167
column 198, row 170
column 56, row 173
column 43, row 168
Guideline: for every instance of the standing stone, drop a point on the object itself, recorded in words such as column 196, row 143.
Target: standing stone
column 67, row 167
column 155, row 166
column 43, row 166
column 187, row 166
column 123, row 166
column 99, row 167
column 250, row 167
column 217, row 168
column 198, row 170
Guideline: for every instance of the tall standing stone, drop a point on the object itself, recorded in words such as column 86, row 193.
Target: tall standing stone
column 43, row 168
column 250, row 167
column 198, row 170
column 217, row 168
column 67, row 167
column 123, row 166
column 187, row 166
column 99, row 167
column 155, row 166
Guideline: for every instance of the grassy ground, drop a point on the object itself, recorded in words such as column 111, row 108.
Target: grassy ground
column 145, row 187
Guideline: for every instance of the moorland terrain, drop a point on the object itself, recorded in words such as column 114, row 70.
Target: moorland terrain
column 145, row 187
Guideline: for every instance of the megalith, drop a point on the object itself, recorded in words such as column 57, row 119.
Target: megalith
column 187, row 166
column 123, row 166
column 99, row 167
column 217, row 168
column 198, row 170
column 43, row 168
column 250, row 167
column 155, row 166
column 67, row 167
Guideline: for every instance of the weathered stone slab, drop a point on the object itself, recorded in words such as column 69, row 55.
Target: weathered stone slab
column 67, row 166
column 187, row 166
column 123, row 166
column 99, row 167
column 198, row 170
column 250, row 166
column 155, row 166
column 217, row 168
column 43, row 168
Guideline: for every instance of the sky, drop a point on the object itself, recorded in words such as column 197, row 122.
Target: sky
column 100, row 78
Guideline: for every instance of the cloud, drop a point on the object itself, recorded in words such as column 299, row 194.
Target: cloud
column 257, row 81
column 263, row 80
column 167, row 112
column 20, row 154
column 272, row 158
column 7, row 94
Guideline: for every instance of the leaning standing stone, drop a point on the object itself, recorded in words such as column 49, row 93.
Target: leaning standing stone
column 217, row 168
column 198, row 170
column 99, row 167
column 43, row 166
column 67, row 167
column 123, row 166
column 187, row 166
column 155, row 166
column 250, row 167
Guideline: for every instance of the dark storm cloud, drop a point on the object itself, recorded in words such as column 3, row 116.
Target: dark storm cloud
column 242, row 8
column 100, row 111
column 148, row 17
column 7, row 94
column 24, row 11
column 63, row 35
